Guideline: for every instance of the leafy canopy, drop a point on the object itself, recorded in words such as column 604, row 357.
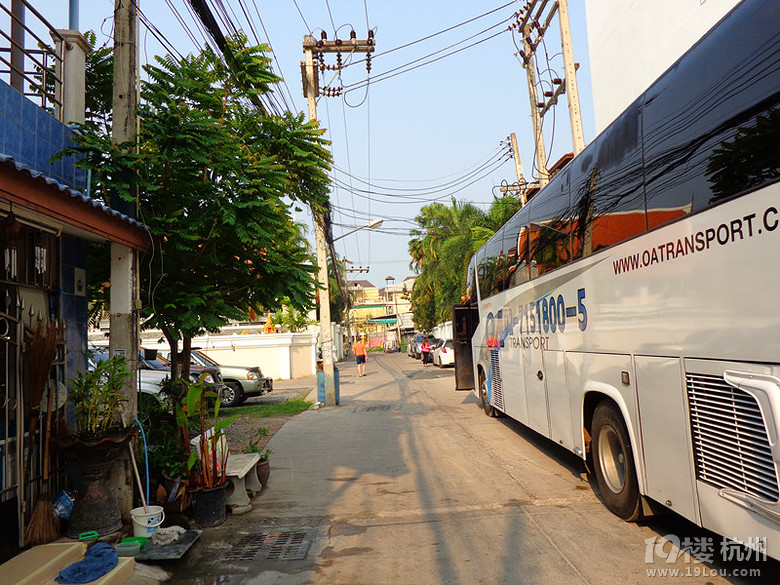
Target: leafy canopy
column 441, row 247
column 214, row 177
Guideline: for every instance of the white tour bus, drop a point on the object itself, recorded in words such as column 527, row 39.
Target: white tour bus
column 631, row 310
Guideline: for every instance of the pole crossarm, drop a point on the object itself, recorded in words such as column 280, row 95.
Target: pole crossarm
column 338, row 46
column 559, row 91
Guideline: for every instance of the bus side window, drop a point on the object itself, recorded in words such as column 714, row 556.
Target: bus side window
column 549, row 232
column 471, row 281
column 490, row 262
column 514, row 254
column 713, row 132
column 607, row 188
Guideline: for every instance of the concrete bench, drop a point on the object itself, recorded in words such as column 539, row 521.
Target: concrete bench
column 242, row 476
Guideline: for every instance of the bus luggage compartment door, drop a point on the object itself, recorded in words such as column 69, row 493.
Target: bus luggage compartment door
column 465, row 319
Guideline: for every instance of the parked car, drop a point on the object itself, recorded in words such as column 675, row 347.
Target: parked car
column 241, row 382
column 153, row 371
column 415, row 344
column 444, row 355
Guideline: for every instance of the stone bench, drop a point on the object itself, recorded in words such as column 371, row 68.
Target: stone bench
column 242, row 476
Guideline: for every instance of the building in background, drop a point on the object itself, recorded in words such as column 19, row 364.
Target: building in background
column 366, row 304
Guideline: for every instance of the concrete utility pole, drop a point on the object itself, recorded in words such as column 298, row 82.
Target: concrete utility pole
column 570, row 70
column 536, row 117
column 518, row 169
column 311, row 92
column 533, row 19
column 124, row 260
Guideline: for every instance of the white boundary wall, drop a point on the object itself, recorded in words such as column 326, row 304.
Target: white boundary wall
column 443, row 330
column 281, row 356
column 632, row 43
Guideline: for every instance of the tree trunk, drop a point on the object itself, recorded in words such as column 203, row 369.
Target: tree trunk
column 184, row 356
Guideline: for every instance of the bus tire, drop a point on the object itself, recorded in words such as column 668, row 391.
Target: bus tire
column 613, row 462
column 483, row 396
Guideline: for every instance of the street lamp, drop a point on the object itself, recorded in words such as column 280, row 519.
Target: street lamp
column 374, row 223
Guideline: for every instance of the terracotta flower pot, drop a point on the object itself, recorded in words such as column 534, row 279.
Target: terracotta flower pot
column 263, row 470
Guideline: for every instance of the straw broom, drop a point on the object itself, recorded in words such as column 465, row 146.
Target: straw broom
column 44, row 524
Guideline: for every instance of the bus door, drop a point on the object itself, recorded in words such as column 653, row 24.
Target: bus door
column 465, row 319
column 535, row 383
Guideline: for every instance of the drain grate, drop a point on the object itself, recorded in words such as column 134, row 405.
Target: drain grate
column 275, row 546
column 378, row 407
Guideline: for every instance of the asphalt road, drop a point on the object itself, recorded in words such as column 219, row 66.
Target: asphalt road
column 407, row 481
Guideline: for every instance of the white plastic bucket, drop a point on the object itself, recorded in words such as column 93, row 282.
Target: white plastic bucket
column 145, row 523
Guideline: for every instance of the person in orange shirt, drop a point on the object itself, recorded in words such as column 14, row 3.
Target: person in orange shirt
column 359, row 349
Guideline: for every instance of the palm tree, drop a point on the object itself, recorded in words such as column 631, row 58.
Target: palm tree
column 441, row 248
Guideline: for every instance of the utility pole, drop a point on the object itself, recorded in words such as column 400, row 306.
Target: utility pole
column 519, row 169
column 536, row 117
column 518, row 164
column 570, row 70
column 522, row 186
column 124, row 260
column 311, row 91
column 532, row 18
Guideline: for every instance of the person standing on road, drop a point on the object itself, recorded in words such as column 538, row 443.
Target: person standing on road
column 425, row 349
column 359, row 349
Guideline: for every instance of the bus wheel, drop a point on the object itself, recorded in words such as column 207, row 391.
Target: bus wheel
column 483, row 396
column 613, row 462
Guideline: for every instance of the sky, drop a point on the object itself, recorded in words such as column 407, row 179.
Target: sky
column 423, row 125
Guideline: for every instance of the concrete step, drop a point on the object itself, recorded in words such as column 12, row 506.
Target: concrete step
column 41, row 564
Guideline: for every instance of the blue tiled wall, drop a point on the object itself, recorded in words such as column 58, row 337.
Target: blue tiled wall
column 74, row 307
column 31, row 135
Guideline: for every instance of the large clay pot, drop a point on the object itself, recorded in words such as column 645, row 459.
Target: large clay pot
column 95, row 507
column 263, row 470
column 209, row 505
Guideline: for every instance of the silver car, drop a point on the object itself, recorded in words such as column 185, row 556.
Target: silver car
column 240, row 382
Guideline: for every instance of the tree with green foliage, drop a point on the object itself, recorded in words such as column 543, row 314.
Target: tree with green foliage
column 441, row 248
column 215, row 178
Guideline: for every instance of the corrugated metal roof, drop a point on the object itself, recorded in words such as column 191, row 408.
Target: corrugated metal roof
column 39, row 176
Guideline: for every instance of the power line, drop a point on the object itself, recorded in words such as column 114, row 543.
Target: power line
column 416, row 200
column 446, row 30
column 306, row 24
column 422, row 191
column 290, row 105
column 420, row 62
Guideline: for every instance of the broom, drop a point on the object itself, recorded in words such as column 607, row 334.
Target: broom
column 44, row 525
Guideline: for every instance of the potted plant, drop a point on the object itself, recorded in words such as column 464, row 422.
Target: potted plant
column 263, row 467
column 167, row 459
column 208, row 458
column 97, row 439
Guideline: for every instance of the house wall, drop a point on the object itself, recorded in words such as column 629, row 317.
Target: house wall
column 32, row 135
column 73, row 299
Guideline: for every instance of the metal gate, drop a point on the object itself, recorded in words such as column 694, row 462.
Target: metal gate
column 12, row 451
column 22, row 415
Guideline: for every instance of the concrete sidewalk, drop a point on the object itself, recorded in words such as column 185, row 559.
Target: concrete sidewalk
column 408, row 482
